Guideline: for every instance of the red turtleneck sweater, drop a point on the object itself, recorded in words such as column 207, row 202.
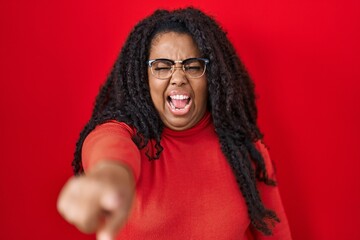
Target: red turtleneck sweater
column 190, row 192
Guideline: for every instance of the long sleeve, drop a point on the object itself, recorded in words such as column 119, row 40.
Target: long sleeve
column 111, row 141
column 271, row 198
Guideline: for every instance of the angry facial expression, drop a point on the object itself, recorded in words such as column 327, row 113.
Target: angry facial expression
column 181, row 101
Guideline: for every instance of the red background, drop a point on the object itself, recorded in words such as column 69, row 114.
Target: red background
column 303, row 56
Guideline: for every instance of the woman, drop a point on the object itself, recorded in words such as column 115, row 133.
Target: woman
column 172, row 150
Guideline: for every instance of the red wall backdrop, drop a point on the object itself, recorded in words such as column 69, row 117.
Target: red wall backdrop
column 303, row 56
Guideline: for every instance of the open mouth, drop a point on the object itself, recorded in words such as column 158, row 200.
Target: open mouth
column 179, row 102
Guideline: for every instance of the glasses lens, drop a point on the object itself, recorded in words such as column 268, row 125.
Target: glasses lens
column 194, row 68
column 161, row 69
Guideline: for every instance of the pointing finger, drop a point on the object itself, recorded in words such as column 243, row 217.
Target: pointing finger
column 112, row 224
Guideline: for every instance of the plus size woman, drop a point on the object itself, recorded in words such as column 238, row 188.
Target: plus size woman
column 173, row 150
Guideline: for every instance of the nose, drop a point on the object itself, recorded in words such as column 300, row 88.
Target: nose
column 178, row 77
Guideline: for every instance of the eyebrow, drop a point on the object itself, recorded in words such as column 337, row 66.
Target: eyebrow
column 177, row 61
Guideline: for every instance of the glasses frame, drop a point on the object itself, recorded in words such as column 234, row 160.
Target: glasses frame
column 182, row 62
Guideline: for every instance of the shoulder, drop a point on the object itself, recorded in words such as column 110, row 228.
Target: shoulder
column 111, row 141
column 262, row 148
column 264, row 151
column 113, row 127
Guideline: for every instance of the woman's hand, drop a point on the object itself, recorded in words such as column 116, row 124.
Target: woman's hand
column 98, row 201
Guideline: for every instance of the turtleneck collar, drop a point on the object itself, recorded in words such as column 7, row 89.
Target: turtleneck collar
column 203, row 123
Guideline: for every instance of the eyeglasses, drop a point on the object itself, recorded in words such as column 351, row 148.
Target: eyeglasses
column 163, row 68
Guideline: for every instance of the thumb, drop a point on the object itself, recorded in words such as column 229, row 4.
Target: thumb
column 110, row 201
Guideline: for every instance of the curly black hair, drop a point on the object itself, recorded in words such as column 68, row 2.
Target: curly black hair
column 125, row 97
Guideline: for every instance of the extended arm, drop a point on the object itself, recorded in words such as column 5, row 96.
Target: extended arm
column 100, row 200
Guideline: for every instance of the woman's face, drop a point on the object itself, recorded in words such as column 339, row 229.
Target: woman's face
column 180, row 100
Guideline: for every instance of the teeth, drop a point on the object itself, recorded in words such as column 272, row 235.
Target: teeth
column 179, row 97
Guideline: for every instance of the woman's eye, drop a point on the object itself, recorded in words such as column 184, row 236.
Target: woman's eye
column 192, row 68
column 162, row 68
